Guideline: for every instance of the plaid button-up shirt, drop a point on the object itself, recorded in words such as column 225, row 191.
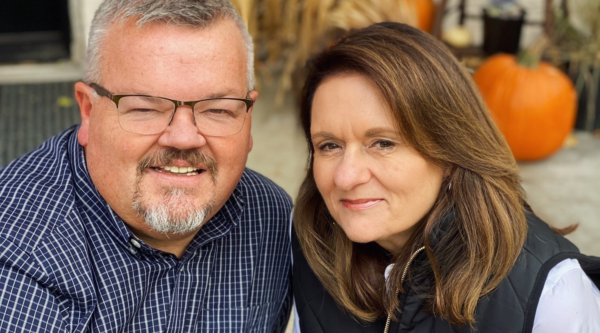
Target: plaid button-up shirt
column 68, row 263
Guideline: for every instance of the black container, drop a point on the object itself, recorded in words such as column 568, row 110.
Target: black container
column 502, row 35
column 588, row 121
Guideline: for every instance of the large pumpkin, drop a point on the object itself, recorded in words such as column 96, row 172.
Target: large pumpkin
column 533, row 107
column 425, row 13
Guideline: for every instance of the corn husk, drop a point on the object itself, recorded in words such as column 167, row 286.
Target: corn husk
column 287, row 32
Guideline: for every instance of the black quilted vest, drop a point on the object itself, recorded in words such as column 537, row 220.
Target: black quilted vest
column 509, row 308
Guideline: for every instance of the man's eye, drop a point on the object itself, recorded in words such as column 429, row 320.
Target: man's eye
column 144, row 110
column 218, row 113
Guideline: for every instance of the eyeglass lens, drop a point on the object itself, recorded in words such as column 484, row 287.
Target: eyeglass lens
column 151, row 115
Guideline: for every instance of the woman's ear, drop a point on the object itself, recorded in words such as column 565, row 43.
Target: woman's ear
column 448, row 169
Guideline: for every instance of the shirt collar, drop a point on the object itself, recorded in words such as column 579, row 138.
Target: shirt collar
column 95, row 206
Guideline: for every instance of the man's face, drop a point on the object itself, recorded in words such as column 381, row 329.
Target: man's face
column 180, row 63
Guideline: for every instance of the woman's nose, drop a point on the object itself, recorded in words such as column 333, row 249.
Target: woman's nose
column 352, row 170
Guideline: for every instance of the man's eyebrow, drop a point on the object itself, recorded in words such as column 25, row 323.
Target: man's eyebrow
column 227, row 93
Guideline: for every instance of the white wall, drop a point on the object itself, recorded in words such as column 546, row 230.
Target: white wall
column 82, row 13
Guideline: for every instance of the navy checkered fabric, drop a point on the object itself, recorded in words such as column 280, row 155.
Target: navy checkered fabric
column 68, row 263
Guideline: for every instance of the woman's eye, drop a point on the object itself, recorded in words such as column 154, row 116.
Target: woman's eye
column 328, row 146
column 383, row 144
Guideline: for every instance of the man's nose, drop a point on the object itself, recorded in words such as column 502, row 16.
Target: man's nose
column 352, row 170
column 182, row 133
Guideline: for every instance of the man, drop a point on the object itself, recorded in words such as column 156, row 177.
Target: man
column 143, row 218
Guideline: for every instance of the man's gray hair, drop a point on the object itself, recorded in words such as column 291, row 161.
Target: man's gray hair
column 191, row 13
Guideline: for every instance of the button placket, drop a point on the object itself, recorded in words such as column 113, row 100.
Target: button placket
column 134, row 246
column 135, row 243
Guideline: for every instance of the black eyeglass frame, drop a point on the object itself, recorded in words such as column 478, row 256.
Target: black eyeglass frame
column 101, row 91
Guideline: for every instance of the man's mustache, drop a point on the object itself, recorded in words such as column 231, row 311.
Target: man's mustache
column 166, row 156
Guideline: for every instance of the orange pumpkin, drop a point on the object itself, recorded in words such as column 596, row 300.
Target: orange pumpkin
column 425, row 13
column 533, row 107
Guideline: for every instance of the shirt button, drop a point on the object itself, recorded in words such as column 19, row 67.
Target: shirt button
column 135, row 243
column 181, row 270
column 132, row 251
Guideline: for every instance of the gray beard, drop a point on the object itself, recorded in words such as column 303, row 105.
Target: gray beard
column 174, row 214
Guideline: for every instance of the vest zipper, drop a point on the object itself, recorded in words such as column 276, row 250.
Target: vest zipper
column 389, row 317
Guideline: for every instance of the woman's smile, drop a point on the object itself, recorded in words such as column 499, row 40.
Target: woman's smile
column 360, row 204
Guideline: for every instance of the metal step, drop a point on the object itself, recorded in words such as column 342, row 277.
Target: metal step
column 32, row 113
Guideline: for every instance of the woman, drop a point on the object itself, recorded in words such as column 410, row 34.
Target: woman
column 411, row 217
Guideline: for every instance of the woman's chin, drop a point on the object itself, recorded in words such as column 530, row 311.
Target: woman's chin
column 359, row 236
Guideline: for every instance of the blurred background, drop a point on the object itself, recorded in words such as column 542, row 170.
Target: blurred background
column 536, row 63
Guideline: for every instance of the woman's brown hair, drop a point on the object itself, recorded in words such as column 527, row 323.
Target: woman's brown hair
column 440, row 114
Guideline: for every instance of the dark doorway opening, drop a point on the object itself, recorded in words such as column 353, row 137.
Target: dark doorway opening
column 34, row 30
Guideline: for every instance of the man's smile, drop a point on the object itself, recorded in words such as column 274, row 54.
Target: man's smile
column 181, row 171
column 176, row 165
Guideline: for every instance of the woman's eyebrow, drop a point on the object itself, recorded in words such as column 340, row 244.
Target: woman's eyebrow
column 369, row 133
column 324, row 135
column 380, row 130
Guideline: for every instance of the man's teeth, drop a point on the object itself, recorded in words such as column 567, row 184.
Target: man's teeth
column 190, row 171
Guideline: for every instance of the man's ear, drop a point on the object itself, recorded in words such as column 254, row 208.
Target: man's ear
column 83, row 94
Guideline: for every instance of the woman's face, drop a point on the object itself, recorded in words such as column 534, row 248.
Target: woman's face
column 375, row 186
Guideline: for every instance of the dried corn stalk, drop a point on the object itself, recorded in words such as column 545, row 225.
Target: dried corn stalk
column 360, row 13
column 244, row 8
column 287, row 32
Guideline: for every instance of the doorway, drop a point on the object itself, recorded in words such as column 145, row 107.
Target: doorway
column 34, row 31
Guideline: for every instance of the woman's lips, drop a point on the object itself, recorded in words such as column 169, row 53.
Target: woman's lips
column 360, row 204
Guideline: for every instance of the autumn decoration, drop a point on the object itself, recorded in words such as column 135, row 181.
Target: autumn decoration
column 532, row 102
column 287, row 32
column 575, row 46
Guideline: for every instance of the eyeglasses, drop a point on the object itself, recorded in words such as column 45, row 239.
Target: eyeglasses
column 142, row 114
